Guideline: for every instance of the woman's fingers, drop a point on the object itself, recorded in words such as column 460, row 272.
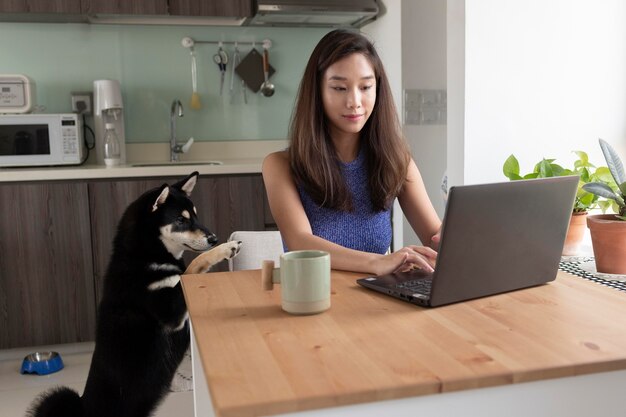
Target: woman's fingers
column 415, row 259
column 429, row 254
column 411, row 257
column 425, row 251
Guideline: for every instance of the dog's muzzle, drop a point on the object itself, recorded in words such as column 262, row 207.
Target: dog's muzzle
column 212, row 239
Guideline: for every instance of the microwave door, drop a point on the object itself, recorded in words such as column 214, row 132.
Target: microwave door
column 24, row 140
column 27, row 144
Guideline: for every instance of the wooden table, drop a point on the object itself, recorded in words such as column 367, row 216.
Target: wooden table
column 257, row 360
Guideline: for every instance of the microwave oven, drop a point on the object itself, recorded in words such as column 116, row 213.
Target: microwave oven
column 41, row 140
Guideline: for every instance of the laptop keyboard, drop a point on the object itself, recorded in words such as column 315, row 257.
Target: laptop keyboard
column 420, row 286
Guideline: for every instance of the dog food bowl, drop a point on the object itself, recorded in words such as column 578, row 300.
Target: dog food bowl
column 42, row 363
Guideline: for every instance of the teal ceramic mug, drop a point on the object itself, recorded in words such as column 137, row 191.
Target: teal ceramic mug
column 304, row 277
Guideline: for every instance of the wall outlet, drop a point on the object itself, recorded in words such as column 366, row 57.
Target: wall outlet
column 81, row 102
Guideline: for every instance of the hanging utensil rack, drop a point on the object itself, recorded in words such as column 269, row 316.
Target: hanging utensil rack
column 189, row 42
column 249, row 79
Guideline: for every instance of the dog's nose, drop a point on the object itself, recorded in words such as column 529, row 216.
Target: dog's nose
column 211, row 238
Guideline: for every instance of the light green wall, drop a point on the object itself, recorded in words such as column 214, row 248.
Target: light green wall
column 153, row 69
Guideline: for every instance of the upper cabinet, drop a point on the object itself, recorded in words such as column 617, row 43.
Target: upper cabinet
column 139, row 7
column 40, row 6
column 230, row 8
column 194, row 8
column 262, row 13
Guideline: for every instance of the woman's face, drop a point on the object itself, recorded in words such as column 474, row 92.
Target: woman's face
column 348, row 94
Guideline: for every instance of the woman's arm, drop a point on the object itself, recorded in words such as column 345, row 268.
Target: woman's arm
column 295, row 228
column 418, row 209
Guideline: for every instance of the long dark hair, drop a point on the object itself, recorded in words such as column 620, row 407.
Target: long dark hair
column 314, row 161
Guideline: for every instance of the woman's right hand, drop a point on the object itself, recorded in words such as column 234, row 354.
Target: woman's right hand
column 407, row 258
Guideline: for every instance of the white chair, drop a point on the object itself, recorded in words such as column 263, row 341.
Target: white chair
column 257, row 247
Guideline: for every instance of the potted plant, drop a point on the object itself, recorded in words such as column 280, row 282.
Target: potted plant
column 584, row 200
column 608, row 231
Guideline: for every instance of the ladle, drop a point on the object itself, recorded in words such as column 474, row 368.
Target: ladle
column 267, row 88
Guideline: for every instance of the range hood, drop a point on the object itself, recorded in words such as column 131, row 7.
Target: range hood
column 315, row 13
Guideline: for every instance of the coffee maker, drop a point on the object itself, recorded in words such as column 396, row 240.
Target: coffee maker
column 108, row 108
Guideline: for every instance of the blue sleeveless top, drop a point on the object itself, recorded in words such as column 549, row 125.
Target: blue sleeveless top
column 362, row 229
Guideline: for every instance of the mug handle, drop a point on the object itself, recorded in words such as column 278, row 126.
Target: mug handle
column 267, row 272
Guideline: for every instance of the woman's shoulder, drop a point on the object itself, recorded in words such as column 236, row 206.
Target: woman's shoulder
column 276, row 161
column 276, row 157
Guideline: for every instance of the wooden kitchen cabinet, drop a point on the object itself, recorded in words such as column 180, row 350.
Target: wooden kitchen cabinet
column 46, row 270
column 224, row 204
column 236, row 8
column 140, row 7
column 56, row 240
column 40, row 6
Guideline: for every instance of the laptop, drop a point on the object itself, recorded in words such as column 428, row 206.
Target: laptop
column 495, row 238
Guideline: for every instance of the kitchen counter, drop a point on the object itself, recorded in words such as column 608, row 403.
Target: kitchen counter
column 555, row 349
column 82, row 172
column 236, row 157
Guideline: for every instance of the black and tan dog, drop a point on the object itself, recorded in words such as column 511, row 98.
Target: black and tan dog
column 142, row 329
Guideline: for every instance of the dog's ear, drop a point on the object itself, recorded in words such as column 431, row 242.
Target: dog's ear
column 164, row 191
column 188, row 183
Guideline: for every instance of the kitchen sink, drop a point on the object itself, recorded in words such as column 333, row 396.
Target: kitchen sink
column 171, row 164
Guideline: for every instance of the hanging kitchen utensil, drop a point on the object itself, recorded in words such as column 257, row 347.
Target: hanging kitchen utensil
column 236, row 62
column 267, row 88
column 221, row 59
column 244, row 92
column 196, row 104
column 251, row 70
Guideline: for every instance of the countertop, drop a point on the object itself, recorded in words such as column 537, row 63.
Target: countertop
column 92, row 171
column 368, row 347
column 236, row 157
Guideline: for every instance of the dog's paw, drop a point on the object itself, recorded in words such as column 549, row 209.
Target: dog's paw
column 203, row 262
column 231, row 249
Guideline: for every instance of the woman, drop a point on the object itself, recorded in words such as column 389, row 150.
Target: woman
column 333, row 188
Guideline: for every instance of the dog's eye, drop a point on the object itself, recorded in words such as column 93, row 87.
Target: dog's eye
column 180, row 220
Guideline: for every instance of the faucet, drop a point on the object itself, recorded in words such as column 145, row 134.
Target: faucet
column 175, row 148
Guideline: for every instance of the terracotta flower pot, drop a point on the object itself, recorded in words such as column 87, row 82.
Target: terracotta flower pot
column 575, row 233
column 608, row 238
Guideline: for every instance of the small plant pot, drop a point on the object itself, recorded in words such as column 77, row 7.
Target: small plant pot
column 575, row 234
column 608, row 237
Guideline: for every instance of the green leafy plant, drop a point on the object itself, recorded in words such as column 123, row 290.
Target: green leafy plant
column 586, row 171
column 615, row 191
